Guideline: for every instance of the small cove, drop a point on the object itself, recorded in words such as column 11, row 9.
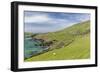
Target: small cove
column 32, row 47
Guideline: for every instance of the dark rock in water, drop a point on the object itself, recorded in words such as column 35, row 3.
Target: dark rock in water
column 35, row 47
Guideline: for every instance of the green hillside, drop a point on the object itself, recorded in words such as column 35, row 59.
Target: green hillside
column 70, row 43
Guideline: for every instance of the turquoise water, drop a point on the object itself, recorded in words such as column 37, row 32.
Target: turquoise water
column 32, row 48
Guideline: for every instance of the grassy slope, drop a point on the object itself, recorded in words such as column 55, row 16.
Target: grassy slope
column 78, row 49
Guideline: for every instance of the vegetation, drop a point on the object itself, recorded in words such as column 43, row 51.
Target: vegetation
column 71, row 43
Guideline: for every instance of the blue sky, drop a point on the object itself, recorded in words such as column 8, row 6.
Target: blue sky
column 43, row 22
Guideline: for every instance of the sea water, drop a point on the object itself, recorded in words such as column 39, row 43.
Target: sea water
column 31, row 47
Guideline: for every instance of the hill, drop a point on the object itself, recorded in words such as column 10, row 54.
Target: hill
column 70, row 43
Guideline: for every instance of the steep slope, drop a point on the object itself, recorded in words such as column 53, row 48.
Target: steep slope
column 70, row 43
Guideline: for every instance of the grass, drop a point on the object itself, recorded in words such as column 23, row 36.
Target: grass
column 76, row 50
column 76, row 44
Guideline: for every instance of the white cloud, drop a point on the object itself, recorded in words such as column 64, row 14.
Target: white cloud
column 44, row 23
column 36, row 18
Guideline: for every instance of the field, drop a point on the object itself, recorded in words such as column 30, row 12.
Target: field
column 70, row 43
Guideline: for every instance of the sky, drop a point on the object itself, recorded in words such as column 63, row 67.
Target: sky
column 43, row 22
